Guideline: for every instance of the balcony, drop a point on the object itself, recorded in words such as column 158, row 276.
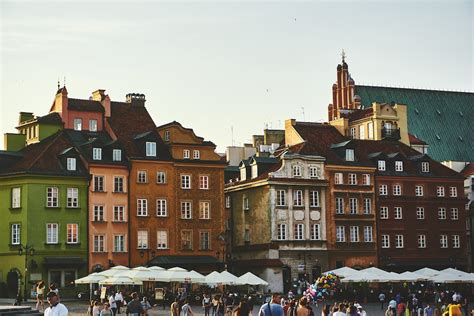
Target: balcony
column 391, row 133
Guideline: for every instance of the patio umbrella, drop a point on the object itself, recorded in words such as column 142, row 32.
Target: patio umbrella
column 427, row 272
column 114, row 271
column 412, row 276
column 343, row 272
column 120, row 280
column 140, row 273
column 251, row 279
column 90, row 279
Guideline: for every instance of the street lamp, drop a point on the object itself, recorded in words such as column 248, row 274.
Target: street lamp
column 26, row 251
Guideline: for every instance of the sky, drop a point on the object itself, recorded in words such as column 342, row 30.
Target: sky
column 227, row 69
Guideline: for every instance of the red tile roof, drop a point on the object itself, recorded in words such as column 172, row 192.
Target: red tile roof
column 84, row 105
column 415, row 140
column 360, row 114
column 468, row 170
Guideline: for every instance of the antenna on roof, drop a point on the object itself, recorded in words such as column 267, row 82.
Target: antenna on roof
column 58, row 84
column 64, row 83
column 232, row 133
column 304, row 117
column 343, row 54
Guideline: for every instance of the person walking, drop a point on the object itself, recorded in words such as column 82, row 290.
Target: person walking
column 382, row 300
column 186, row 309
column 134, row 307
column 302, row 309
column 206, row 304
column 106, row 311
column 174, row 308
column 273, row 307
column 119, row 300
column 55, row 308
column 112, row 303
column 40, row 295
column 242, row 309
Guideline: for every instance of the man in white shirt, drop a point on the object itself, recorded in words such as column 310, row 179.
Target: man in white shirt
column 113, row 305
column 55, row 308
column 119, row 301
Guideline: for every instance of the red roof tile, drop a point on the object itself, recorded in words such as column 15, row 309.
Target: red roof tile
column 468, row 170
column 414, row 140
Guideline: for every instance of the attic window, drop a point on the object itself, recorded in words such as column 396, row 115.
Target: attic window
column 71, row 164
column 167, row 136
column 151, row 149
column 97, row 153
column 349, row 154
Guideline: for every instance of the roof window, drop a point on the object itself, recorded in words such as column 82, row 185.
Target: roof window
column 438, row 111
column 437, row 136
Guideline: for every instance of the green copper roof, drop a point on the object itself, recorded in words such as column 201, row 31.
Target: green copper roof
column 443, row 119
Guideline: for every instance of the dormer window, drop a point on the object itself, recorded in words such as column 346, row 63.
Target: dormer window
column 186, row 154
column 425, row 167
column 314, row 172
column 93, row 125
column 78, row 124
column 167, row 136
column 296, row 171
column 97, row 153
column 349, row 154
column 398, row 165
column 196, row 154
column 381, row 165
column 71, row 164
column 150, row 149
column 117, row 155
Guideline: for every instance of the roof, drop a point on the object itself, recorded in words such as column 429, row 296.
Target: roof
column 357, row 115
column 415, row 140
column 84, row 105
column 468, row 170
column 443, row 119
column 51, row 118
column 128, row 122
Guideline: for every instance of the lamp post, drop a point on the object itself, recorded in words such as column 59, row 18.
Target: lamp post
column 26, row 251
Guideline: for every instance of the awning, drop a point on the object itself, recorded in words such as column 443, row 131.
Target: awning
column 198, row 263
column 259, row 263
column 64, row 262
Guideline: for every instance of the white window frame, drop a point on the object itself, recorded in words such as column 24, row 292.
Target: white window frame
column 161, row 177
column 245, row 203
column 186, row 244
column 16, row 197
column 353, row 132
column 142, row 207
column 339, row 202
column 340, row 234
column 119, row 243
column 52, row 197
column 361, row 131
column 315, row 232
column 352, row 177
column 282, row 232
column 443, row 241
column 196, row 154
column 399, row 166
column 204, row 240
column 314, row 198
column 297, row 170
column 421, row 240
column 314, row 172
column 397, row 212
column 150, row 149
column 227, row 201
column 52, row 233
column 440, row 192
column 366, row 179
column 456, row 241
column 354, row 234
column 93, row 125
column 299, row 232
column 161, row 208
column 418, row 190
column 383, row 211
column 99, row 243
column 442, row 213
column 385, row 241
column 77, row 124
column 117, row 155
column 399, row 243
column 72, row 233
column 353, row 206
column 367, row 205
column 381, row 165
column 167, row 136
column 72, row 197
column 204, row 210
column 15, row 233
column 298, row 198
column 98, row 213
column 420, row 212
column 454, row 214
column 425, row 166
column 142, row 239
column 397, row 190
column 186, row 154
column 186, row 209
column 368, row 234
column 99, row 183
column 453, row 191
column 185, row 181
column 142, row 176
column 203, row 182
column 383, row 190
column 96, row 153
column 281, row 198
column 161, row 239
column 370, row 130
column 71, row 164
column 350, row 156
column 338, row 178
column 119, row 182
column 119, row 213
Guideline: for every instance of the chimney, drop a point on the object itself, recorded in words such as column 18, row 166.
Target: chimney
column 136, row 99
column 25, row 116
column 99, row 95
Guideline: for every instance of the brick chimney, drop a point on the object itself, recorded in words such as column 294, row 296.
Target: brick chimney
column 99, row 95
column 135, row 99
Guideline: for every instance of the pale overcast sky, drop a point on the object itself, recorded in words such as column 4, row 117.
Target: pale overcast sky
column 213, row 65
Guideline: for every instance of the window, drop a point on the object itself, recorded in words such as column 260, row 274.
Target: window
column 398, row 165
column 339, row 205
column 227, row 201
column 204, row 240
column 439, row 191
column 71, row 164
column 370, row 128
column 367, row 205
column 453, row 192
column 420, row 213
column 385, row 241
column 77, row 124
column 314, row 198
column 196, row 154
column 281, row 198
column 441, row 213
column 299, row 231
column 98, row 183
column 73, row 197
column 185, row 181
column 456, row 241
column 313, row 172
column 383, row 212
column 361, row 132
column 398, row 241
column 454, row 214
column 368, row 236
column 72, row 233
column 117, row 155
column 161, row 177
column 421, row 241
column 161, row 210
column 93, row 125
column 352, row 179
column 142, row 176
column 296, row 171
column 340, row 234
column 298, row 198
column 353, row 206
column 204, row 182
column 150, row 149
column 187, row 239
column 204, row 210
column 443, row 241
column 419, row 190
column 142, row 207
column 119, row 243
column 315, row 232
column 353, row 132
column 383, row 189
column 281, row 231
column 366, row 179
column 245, row 203
column 118, row 184
column 186, row 154
column 167, row 136
column 52, row 197
column 142, row 239
column 354, row 233
column 16, row 233
column 397, row 189
column 349, row 154
column 247, row 235
column 425, row 167
column 98, row 213
column 99, row 243
column 398, row 213
column 52, row 230
column 96, row 153
column 16, row 197
column 119, row 213
column 162, row 239
column 338, row 179
column 186, row 210
column 381, row 165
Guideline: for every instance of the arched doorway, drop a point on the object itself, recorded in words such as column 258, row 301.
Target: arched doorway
column 13, row 282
